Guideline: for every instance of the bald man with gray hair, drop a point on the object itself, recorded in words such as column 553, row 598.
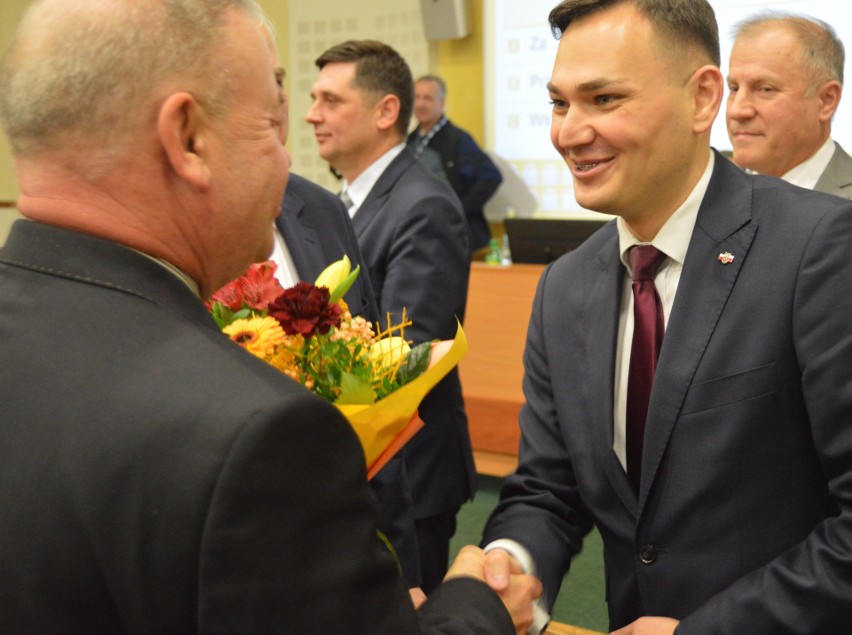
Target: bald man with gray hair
column 156, row 477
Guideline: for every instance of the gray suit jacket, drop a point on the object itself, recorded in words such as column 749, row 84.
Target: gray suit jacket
column 413, row 237
column 743, row 523
column 837, row 177
column 156, row 478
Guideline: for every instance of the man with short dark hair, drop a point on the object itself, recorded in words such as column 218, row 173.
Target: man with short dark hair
column 470, row 172
column 785, row 81
column 414, row 241
column 688, row 386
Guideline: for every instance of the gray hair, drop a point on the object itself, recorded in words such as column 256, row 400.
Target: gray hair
column 85, row 73
column 822, row 54
column 442, row 85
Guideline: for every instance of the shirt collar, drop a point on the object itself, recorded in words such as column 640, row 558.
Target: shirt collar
column 673, row 237
column 180, row 275
column 807, row 173
column 361, row 186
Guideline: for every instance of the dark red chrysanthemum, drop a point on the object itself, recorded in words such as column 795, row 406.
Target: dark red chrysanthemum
column 304, row 309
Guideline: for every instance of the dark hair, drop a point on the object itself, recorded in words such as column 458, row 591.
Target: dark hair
column 689, row 22
column 379, row 69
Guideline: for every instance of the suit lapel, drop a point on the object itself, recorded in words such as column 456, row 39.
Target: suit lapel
column 372, row 205
column 301, row 237
column 603, row 291
column 837, row 176
column 723, row 226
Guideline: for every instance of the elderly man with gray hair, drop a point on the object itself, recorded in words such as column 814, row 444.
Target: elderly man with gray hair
column 785, row 82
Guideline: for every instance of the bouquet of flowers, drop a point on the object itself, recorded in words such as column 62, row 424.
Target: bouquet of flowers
column 376, row 379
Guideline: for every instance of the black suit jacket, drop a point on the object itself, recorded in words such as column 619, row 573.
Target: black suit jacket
column 158, row 478
column 744, row 519
column 413, row 238
column 471, row 173
column 318, row 231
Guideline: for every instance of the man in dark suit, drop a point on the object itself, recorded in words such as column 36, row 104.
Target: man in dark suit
column 730, row 512
column 470, row 172
column 413, row 237
column 155, row 476
column 785, row 81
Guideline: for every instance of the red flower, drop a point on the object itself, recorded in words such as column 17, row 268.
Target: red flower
column 256, row 288
column 305, row 309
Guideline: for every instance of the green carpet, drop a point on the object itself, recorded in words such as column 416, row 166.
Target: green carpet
column 581, row 600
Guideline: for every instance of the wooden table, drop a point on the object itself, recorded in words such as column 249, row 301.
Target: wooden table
column 557, row 628
column 499, row 302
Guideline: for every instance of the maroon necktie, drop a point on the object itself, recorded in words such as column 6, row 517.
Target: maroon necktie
column 648, row 329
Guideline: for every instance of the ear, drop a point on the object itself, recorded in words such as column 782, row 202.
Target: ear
column 388, row 112
column 829, row 99
column 183, row 135
column 707, row 90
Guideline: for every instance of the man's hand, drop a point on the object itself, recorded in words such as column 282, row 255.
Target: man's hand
column 417, row 596
column 503, row 573
column 499, row 568
column 649, row 626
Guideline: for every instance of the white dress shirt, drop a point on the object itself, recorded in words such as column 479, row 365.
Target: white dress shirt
column 672, row 240
column 360, row 188
column 286, row 273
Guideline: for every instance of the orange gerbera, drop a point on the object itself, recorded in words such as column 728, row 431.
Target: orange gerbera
column 259, row 335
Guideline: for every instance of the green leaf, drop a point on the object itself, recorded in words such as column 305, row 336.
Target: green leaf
column 243, row 314
column 344, row 286
column 354, row 390
column 222, row 315
column 415, row 363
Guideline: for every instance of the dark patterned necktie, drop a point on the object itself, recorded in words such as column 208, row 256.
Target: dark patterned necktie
column 648, row 330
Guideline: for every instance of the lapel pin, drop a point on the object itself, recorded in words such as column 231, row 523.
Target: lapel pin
column 726, row 258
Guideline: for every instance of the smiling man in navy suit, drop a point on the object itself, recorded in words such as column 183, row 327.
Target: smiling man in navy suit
column 731, row 511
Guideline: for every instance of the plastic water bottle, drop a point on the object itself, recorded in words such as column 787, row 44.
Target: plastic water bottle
column 506, row 253
column 494, row 256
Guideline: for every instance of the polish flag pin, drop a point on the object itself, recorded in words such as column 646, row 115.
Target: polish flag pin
column 726, row 258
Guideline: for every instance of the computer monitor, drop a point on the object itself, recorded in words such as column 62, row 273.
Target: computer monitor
column 540, row 240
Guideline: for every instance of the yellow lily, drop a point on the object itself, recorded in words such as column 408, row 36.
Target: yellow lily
column 338, row 278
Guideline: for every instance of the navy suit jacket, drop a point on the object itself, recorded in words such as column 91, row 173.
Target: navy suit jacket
column 413, row 238
column 157, row 478
column 743, row 523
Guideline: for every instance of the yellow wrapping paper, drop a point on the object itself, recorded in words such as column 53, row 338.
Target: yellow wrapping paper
column 378, row 425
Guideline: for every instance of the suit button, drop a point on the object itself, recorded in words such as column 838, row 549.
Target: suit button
column 648, row 554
